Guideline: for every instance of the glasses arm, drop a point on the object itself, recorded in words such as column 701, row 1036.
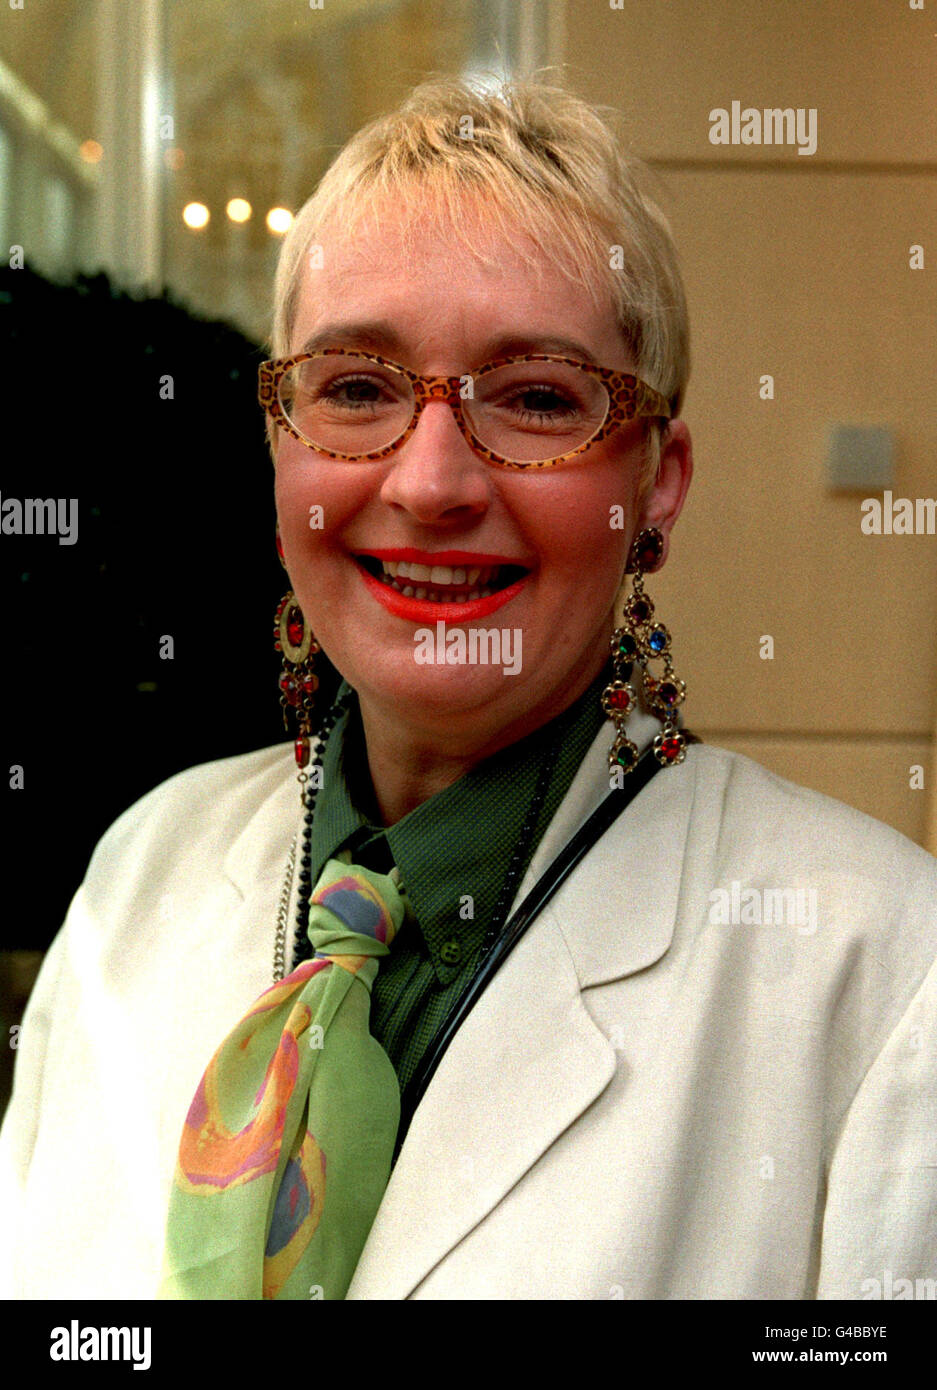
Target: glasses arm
column 649, row 402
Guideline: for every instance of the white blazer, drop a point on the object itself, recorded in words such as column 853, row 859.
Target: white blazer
column 648, row 1101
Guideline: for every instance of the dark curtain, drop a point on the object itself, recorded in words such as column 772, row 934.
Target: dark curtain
column 175, row 540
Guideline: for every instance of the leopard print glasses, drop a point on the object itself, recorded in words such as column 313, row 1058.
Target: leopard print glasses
column 531, row 411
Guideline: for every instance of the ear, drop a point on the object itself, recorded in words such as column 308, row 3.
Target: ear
column 664, row 500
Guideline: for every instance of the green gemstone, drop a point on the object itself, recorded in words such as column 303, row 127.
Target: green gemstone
column 625, row 758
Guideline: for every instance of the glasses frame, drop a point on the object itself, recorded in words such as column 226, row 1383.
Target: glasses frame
column 629, row 398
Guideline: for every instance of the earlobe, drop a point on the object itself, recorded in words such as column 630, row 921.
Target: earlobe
column 664, row 501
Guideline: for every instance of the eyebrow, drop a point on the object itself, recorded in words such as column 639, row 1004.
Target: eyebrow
column 381, row 337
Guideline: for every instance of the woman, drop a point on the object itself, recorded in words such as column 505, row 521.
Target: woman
column 514, row 1046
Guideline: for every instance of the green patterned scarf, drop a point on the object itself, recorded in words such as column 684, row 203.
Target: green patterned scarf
column 287, row 1146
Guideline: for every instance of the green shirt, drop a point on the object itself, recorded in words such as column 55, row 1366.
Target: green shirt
column 453, row 853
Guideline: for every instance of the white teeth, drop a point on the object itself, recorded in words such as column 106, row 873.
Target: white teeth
column 407, row 569
column 438, row 574
column 434, row 595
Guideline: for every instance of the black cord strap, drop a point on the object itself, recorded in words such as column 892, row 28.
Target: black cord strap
column 588, row 834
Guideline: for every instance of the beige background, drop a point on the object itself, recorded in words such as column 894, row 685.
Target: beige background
column 797, row 266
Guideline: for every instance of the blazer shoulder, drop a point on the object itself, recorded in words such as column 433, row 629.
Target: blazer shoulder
column 749, row 824
column 203, row 807
column 777, row 808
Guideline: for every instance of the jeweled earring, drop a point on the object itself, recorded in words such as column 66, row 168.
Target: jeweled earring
column 642, row 639
column 298, row 683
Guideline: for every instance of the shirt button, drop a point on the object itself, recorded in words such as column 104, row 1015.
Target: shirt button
column 450, row 952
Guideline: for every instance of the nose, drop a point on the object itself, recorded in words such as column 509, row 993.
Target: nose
column 435, row 475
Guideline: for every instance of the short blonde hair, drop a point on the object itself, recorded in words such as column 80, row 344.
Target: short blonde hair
column 546, row 162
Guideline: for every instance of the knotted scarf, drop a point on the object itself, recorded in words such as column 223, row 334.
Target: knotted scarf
column 287, row 1145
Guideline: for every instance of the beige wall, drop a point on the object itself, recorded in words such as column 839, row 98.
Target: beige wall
column 797, row 266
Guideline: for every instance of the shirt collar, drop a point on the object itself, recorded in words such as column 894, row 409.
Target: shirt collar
column 453, row 850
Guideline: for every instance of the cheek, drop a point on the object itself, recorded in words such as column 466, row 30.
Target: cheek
column 312, row 501
column 295, row 500
column 292, row 482
column 586, row 524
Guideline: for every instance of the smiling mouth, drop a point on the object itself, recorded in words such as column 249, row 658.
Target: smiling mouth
column 441, row 583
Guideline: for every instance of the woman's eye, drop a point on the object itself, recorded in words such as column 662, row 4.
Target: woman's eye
column 354, row 391
column 542, row 400
column 355, row 394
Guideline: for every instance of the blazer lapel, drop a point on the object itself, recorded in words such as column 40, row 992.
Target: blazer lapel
column 515, row 1075
column 529, row 1060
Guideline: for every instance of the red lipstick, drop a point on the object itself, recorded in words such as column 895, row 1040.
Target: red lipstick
column 419, row 610
column 444, row 557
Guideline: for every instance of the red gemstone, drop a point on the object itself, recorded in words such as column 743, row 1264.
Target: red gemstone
column 295, row 627
column 290, row 689
column 670, row 747
column 301, row 751
column 310, row 684
column 619, row 699
column 649, row 547
column 668, row 692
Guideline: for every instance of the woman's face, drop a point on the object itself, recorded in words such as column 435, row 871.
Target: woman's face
column 439, row 310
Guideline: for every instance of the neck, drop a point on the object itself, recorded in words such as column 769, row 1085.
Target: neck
column 410, row 762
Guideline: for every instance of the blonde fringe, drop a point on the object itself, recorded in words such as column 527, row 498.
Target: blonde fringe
column 538, row 158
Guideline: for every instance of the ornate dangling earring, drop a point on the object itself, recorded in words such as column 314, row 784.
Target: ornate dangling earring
column 642, row 639
column 298, row 683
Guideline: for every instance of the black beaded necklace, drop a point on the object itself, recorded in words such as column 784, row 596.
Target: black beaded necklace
column 304, row 892
column 511, row 880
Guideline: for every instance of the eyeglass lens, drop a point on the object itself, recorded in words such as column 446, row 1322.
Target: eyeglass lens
column 526, row 412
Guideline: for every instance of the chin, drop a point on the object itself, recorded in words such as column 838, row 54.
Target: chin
column 419, row 691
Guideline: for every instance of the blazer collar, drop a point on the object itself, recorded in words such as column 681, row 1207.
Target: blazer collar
column 642, row 888
column 641, row 891
column 529, row 1059
column 259, row 852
